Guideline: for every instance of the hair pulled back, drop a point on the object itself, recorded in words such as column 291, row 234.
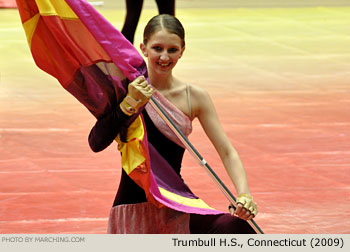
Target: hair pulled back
column 164, row 21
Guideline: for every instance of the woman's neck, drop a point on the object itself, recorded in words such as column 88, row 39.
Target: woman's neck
column 161, row 82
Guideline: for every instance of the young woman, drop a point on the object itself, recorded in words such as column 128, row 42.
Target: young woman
column 163, row 46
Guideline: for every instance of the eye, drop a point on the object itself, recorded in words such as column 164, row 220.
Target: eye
column 173, row 50
column 157, row 48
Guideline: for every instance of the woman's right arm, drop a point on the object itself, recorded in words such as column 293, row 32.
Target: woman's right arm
column 106, row 129
column 109, row 126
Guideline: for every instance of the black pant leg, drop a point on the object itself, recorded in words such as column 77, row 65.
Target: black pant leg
column 166, row 7
column 133, row 12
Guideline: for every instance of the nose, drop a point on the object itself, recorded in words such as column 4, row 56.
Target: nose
column 164, row 56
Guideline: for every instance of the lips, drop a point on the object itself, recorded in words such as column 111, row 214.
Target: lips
column 163, row 64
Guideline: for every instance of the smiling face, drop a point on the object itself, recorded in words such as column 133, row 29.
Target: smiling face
column 163, row 50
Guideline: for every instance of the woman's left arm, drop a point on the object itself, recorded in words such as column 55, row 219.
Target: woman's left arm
column 204, row 110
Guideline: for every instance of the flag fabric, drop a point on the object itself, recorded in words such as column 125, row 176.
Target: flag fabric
column 93, row 61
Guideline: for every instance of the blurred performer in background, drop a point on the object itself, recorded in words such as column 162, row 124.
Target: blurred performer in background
column 133, row 12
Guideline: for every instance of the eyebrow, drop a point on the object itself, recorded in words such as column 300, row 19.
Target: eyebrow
column 161, row 44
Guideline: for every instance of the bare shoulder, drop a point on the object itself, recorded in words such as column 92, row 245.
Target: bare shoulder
column 198, row 93
column 200, row 100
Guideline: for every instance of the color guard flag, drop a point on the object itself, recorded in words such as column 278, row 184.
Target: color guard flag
column 93, row 61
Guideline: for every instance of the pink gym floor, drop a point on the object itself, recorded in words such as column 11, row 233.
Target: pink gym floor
column 279, row 78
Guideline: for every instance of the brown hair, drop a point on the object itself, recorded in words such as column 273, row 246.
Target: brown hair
column 164, row 21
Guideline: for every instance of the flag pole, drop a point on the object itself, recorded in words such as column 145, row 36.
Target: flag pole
column 198, row 157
